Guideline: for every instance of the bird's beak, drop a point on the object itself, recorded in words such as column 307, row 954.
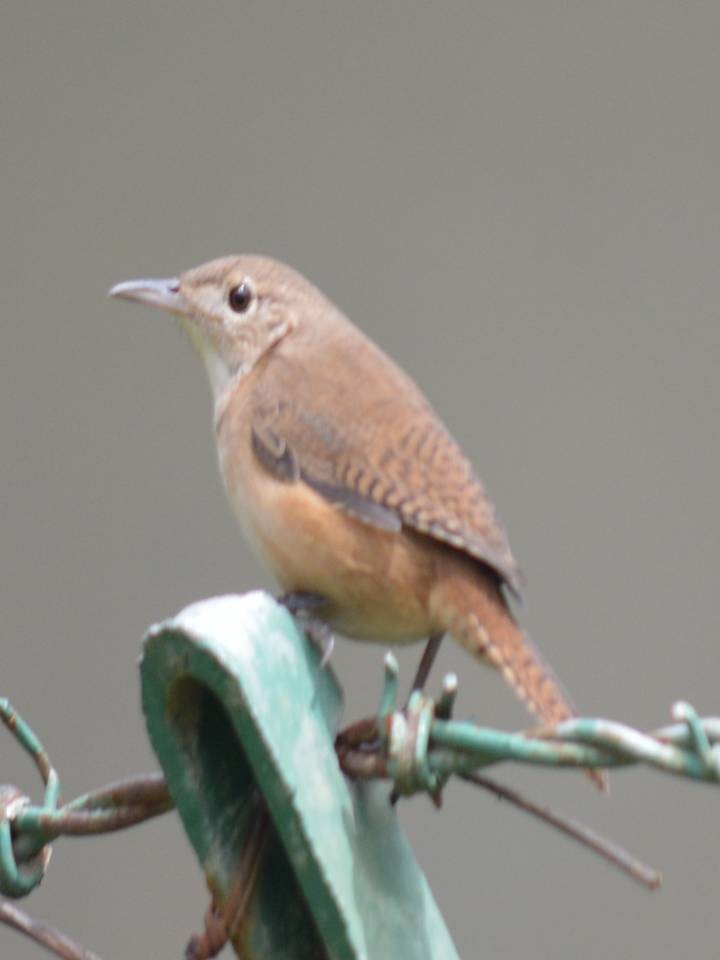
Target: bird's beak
column 155, row 293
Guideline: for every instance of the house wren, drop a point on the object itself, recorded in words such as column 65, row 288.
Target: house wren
column 343, row 476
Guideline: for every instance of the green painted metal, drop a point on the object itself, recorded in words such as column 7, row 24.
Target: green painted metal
column 19, row 876
column 423, row 747
column 236, row 701
column 237, row 704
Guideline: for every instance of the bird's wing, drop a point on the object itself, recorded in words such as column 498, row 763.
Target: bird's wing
column 378, row 451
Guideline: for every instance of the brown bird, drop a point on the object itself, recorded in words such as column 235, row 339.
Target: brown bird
column 343, row 476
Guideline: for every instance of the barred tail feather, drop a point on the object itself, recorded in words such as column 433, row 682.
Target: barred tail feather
column 474, row 611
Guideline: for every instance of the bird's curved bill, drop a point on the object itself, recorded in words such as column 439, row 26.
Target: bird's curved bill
column 155, row 293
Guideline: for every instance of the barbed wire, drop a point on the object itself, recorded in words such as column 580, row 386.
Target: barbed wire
column 421, row 746
column 418, row 748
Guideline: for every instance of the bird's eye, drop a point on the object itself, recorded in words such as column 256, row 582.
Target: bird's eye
column 240, row 297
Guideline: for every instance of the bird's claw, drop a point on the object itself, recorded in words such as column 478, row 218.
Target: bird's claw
column 305, row 604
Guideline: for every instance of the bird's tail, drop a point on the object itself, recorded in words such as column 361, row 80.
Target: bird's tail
column 474, row 611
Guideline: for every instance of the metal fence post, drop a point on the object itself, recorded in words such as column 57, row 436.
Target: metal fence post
column 238, row 708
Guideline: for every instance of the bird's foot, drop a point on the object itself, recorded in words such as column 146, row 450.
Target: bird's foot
column 319, row 633
column 302, row 601
column 305, row 604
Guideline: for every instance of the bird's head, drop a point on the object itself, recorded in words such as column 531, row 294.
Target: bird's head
column 234, row 309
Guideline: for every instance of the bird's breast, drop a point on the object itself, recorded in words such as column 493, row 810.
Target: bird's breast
column 377, row 582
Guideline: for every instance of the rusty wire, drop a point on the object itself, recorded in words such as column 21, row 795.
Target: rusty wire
column 48, row 937
column 116, row 806
column 224, row 922
column 26, row 830
column 384, row 746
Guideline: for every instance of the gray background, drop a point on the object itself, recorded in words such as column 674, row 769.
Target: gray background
column 519, row 201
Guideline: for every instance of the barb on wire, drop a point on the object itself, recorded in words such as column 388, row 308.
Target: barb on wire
column 421, row 744
column 421, row 747
column 26, row 830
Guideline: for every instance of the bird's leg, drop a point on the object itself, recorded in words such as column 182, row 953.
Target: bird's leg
column 305, row 604
column 426, row 662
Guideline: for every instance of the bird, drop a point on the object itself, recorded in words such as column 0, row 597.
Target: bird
column 344, row 478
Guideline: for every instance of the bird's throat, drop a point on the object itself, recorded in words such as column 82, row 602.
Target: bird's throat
column 220, row 372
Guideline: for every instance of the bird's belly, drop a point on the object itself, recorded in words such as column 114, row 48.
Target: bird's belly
column 376, row 582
